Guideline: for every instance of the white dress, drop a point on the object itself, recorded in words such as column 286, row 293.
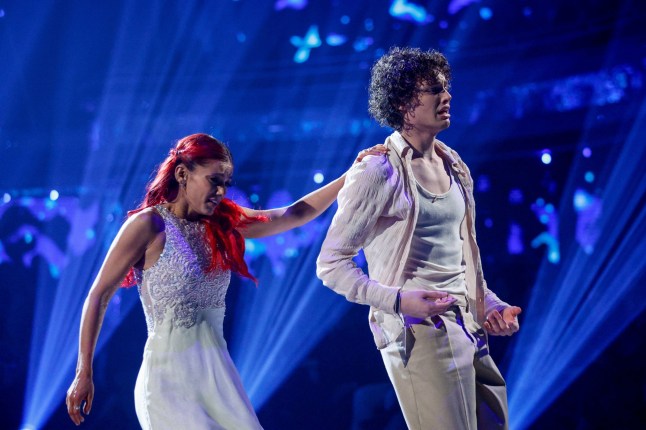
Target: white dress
column 187, row 379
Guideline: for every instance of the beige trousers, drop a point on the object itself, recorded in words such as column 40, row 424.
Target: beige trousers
column 444, row 377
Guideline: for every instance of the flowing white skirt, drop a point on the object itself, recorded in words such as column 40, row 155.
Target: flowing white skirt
column 188, row 381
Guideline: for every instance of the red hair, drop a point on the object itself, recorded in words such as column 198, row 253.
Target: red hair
column 226, row 243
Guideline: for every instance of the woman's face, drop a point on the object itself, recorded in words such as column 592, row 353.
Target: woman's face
column 206, row 186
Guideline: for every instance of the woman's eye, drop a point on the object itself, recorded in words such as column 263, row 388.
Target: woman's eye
column 220, row 183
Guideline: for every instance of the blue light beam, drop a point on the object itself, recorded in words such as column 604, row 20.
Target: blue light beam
column 282, row 320
column 55, row 334
column 576, row 311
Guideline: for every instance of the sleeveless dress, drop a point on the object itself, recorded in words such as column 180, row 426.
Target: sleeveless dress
column 187, row 379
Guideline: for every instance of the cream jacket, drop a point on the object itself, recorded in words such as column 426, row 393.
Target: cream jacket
column 377, row 211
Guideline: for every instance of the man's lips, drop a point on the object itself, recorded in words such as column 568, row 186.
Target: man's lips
column 444, row 111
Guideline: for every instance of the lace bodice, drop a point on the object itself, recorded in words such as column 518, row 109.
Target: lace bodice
column 178, row 286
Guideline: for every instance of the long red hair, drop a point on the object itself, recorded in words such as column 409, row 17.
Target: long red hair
column 226, row 242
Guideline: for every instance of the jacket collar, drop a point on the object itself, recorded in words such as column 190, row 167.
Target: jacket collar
column 405, row 151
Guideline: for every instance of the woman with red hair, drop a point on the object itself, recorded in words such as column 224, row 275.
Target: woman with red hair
column 180, row 247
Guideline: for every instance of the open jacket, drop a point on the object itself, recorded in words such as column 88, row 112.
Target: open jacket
column 378, row 208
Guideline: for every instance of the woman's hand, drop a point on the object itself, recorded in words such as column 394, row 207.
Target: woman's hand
column 79, row 397
column 373, row 150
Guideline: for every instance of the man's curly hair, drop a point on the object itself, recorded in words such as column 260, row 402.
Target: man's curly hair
column 395, row 80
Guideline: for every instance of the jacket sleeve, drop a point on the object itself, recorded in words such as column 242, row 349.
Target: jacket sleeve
column 361, row 201
column 492, row 302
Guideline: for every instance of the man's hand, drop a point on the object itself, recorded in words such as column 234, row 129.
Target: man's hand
column 424, row 304
column 505, row 324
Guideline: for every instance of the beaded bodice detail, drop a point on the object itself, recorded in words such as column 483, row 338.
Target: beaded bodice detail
column 178, row 285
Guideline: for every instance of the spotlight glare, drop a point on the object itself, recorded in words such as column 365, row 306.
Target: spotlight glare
column 553, row 256
column 6, row 198
column 403, row 10
column 53, row 195
column 581, row 200
column 589, row 177
column 587, row 152
column 486, row 13
column 335, row 39
column 546, row 156
column 319, row 177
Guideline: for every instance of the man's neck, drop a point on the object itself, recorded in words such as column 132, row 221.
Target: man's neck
column 422, row 143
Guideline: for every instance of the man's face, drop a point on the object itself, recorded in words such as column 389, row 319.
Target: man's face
column 432, row 111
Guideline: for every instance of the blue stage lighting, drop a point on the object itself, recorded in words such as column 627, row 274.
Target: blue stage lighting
column 572, row 313
column 514, row 240
column 546, row 156
column 582, row 200
column 402, row 9
column 486, row 13
column 363, row 43
column 483, row 183
column 306, row 44
column 335, row 39
column 292, row 4
column 319, row 177
column 301, row 312
column 516, row 196
column 56, row 332
column 289, row 295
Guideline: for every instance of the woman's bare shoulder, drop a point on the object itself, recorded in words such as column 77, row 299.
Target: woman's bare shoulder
column 146, row 222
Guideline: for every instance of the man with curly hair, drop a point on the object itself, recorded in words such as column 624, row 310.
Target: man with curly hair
column 412, row 212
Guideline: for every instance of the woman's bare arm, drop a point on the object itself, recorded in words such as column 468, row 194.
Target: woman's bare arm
column 127, row 249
